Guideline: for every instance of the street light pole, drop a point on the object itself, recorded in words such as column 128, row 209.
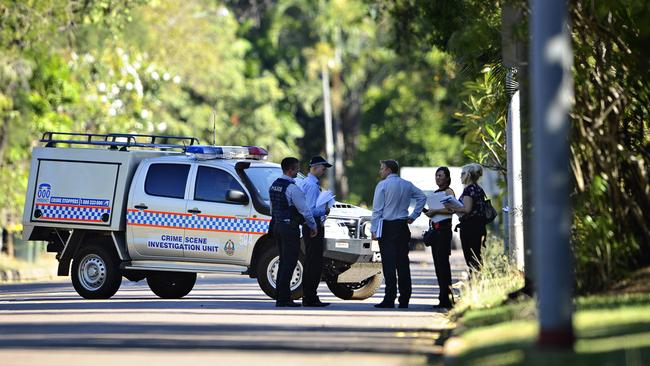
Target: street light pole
column 327, row 111
column 552, row 94
column 515, row 185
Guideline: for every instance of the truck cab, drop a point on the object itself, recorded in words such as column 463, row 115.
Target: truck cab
column 113, row 206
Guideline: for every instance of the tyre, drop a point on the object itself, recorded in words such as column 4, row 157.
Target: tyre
column 267, row 273
column 354, row 291
column 96, row 272
column 171, row 285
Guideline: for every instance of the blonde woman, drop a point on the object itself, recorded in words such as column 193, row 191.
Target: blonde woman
column 472, row 221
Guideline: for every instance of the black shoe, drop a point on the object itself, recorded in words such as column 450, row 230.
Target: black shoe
column 385, row 305
column 314, row 304
column 287, row 304
column 403, row 306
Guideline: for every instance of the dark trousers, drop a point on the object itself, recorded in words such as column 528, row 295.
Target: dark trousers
column 287, row 237
column 313, row 262
column 394, row 248
column 472, row 235
column 441, row 250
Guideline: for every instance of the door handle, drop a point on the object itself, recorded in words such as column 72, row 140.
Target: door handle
column 141, row 206
column 194, row 211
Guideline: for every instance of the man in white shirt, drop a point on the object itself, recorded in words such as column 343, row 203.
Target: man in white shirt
column 390, row 219
column 314, row 245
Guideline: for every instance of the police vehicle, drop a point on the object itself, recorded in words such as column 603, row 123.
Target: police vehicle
column 164, row 208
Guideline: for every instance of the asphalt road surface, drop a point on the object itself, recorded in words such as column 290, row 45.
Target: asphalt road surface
column 225, row 320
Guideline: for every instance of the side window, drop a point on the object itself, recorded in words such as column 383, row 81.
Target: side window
column 213, row 184
column 167, row 180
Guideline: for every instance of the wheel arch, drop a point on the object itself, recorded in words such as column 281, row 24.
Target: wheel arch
column 260, row 246
column 82, row 238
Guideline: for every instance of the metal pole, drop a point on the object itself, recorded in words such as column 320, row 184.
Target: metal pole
column 515, row 185
column 514, row 57
column 552, row 93
column 327, row 111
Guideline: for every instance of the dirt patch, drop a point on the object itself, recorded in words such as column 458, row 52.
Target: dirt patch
column 637, row 282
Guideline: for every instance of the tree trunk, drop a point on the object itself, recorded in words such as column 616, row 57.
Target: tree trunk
column 342, row 187
column 8, row 241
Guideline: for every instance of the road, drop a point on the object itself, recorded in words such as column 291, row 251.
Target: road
column 226, row 318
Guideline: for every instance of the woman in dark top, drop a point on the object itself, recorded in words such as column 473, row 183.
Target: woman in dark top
column 441, row 244
column 472, row 221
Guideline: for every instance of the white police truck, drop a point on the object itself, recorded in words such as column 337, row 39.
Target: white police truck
column 164, row 208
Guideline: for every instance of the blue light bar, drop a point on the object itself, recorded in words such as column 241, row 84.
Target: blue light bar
column 205, row 152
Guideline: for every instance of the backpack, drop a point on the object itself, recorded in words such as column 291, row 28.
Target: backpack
column 486, row 210
column 489, row 212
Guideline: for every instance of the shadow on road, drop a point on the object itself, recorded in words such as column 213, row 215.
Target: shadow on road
column 223, row 312
column 192, row 336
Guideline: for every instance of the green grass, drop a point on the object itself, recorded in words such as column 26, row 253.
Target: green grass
column 485, row 317
column 610, row 330
column 490, row 286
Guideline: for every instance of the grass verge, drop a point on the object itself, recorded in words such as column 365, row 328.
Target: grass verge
column 610, row 330
column 490, row 286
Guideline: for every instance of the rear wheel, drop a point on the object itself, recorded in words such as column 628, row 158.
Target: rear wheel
column 354, row 291
column 171, row 285
column 267, row 273
column 96, row 272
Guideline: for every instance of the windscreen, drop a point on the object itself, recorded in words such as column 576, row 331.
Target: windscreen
column 262, row 178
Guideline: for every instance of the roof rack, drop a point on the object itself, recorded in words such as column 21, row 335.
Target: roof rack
column 118, row 140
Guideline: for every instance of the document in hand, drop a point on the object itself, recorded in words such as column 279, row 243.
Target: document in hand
column 434, row 201
column 453, row 201
column 325, row 197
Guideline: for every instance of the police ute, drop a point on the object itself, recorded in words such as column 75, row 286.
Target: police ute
column 164, row 208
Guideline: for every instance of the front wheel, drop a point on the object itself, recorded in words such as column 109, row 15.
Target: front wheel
column 354, row 291
column 171, row 285
column 96, row 272
column 267, row 274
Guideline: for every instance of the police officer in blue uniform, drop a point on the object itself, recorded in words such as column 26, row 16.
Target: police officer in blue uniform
column 314, row 246
column 288, row 211
column 390, row 219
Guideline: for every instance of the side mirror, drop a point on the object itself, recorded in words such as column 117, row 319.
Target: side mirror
column 234, row 195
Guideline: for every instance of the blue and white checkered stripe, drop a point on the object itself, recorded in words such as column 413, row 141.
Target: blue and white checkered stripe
column 197, row 222
column 156, row 219
column 227, row 224
column 72, row 213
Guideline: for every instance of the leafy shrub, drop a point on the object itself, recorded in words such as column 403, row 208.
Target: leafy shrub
column 601, row 256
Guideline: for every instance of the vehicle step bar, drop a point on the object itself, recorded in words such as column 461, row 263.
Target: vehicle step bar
column 184, row 267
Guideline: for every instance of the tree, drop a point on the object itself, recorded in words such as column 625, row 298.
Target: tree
column 295, row 39
column 123, row 66
column 35, row 82
column 610, row 140
column 216, row 79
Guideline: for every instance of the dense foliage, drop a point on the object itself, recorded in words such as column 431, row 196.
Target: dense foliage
column 252, row 69
column 610, row 141
column 419, row 81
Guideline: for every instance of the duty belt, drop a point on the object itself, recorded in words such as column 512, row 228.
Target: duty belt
column 440, row 224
